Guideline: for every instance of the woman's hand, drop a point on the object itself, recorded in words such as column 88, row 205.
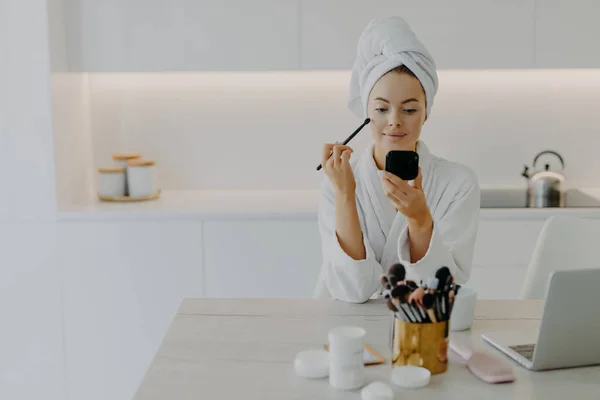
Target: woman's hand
column 338, row 169
column 409, row 200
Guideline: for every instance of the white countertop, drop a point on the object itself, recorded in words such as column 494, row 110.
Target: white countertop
column 259, row 204
column 244, row 348
column 205, row 204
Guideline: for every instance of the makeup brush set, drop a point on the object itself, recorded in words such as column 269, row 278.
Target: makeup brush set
column 425, row 303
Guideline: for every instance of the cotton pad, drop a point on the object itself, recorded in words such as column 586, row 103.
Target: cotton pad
column 312, row 364
column 377, row 391
column 411, row 377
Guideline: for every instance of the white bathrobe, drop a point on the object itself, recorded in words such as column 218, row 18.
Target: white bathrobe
column 452, row 194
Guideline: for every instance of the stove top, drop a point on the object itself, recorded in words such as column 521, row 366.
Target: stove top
column 517, row 198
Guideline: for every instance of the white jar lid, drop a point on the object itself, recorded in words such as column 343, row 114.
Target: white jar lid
column 347, row 335
column 312, row 364
column 411, row 377
column 377, row 391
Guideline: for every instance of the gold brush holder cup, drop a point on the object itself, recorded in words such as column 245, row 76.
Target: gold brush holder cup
column 420, row 344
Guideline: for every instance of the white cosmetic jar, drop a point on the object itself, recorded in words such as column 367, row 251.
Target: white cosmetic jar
column 111, row 181
column 140, row 178
column 123, row 159
column 346, row 357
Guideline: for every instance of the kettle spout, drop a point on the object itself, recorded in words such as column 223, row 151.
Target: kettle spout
column 525, row 172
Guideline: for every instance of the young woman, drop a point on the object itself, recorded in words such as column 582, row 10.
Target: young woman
column 370, row 219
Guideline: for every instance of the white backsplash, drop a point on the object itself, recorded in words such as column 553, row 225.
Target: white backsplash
column 265, row 130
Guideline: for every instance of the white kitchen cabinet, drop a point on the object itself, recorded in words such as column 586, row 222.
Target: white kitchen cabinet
column 261, row 258
column 183, row 35
column 281, row 258
column 496, row 282
column 502, row 254
column 567, row 34
column 28, row 179
column 502, row 243
column 459, row 34
column 122, row 284
column 31, row 333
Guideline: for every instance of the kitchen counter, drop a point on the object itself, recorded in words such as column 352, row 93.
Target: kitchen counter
column 204, row 204
column 262, row 204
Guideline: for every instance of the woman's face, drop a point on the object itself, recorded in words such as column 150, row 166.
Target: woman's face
column 397, row 110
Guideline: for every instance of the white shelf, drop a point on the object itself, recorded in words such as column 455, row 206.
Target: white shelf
column 261, row 204
column 209, row 204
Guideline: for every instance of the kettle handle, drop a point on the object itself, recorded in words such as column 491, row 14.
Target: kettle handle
column 562, row 162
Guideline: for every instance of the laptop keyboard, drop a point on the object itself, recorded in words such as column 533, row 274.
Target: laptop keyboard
column 525, row 350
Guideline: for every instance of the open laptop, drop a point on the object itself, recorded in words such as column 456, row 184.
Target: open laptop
column 569, row 330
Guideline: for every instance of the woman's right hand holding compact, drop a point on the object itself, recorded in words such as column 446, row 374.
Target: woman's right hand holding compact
column 338, row 169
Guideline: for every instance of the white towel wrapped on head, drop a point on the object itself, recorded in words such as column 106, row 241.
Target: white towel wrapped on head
column 387, row 43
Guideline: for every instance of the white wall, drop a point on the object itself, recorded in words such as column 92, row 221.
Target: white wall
column 265, row 130
column 31, row 347
column 26, row 121
column 71, row 115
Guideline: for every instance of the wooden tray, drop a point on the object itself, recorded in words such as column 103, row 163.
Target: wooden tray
column 128, row 198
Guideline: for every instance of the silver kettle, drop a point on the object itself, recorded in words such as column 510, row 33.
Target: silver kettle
column 545, row 187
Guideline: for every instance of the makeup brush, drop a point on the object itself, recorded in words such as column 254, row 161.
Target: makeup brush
column 401, row 310
column 398, row 271
column 349, row 138
column 432, row 284
column 411, row 284
column 386, row 284
column 416, row 297
column 446, row 300
column 384, row 280
column 402, row 292
column 391, row 305
column 429, row 303
column 442, row 275
column 416, row 300
column 451, row 295
column 431, row 289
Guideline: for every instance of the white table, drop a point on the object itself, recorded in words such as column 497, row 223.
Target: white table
column 244, row 349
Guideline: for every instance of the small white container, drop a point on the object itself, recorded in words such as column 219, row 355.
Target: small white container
column 463, row 309
column 140, row 178
column 111, row 181
column 346, row 357
column 123, row 159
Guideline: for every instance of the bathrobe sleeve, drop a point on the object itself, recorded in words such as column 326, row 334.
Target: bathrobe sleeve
column 454, row 233
column 346, row 279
